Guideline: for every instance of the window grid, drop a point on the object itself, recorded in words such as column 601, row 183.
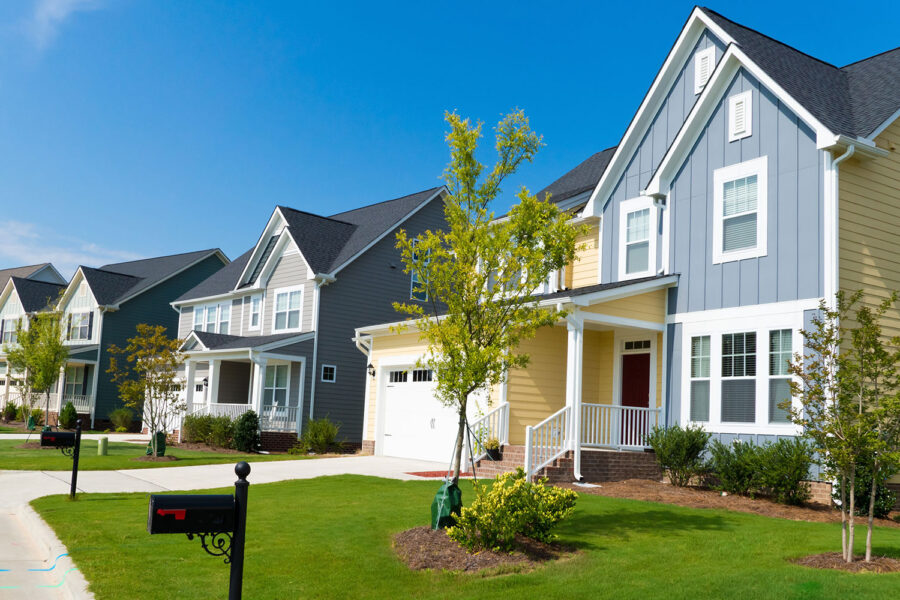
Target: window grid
column 80, row 326
column 739, row 377
column 276, row 384
column 398, row 376
column 10, row 336
column 422, row 375
column 287, row 310
column 329, row 373
column 255, row 305
column 701, row 354
column 780, row 352
column 637, row 241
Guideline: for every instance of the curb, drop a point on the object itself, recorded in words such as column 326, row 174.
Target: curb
column 74, row 585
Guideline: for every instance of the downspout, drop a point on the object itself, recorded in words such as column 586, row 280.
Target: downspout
column 662, row 221
column 833, row 234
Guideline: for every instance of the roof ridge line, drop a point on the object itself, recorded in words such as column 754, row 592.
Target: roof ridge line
column 856, row 62
column 343, row 212
column 312, row 214
column 128, row 262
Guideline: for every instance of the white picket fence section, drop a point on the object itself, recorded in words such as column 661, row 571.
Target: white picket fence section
column 222, row 410
column 546, row 441
column 619, row 427
column 494, row 424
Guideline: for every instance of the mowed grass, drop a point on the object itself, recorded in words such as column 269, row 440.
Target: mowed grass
column 331, row 538
column 120, row 455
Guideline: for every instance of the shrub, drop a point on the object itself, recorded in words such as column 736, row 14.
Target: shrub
column 320, row 436
column 196, row 428
column 67, row 416
column 20, row 413
column 246, row 432
column 736, row 467
column 884, row 497
column 121, row 429
column 10, row 411
column 221, row 432
column 121, row 417
column 784, row 467
column 38, row 415
column 511, row 506
column 679, row 451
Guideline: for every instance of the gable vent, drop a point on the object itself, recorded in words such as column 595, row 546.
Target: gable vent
column 703, row 66
column 739, row 111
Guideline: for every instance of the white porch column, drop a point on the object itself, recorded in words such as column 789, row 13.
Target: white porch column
column 212, row 392
column 190, row 372
column 60, row 390
column 574, row 359
column 259, row 384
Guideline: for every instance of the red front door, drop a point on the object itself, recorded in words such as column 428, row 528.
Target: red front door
column 636, row 393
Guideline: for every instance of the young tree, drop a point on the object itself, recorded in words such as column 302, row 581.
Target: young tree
column 147, row 379
column 40, row 354
column 847, row 389
column 477, row 279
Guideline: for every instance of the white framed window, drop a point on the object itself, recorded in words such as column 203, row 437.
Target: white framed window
column 288, row 308
column 740, row 116
column 704, row 62
column 255, row 312
column 198, row 387
column 8, row 333
column 79, row 326
column 329, row 373
column 780, row 355
column 739, row 377
column 740, row 211
column 422, row 375
column 275, row 390
column 213, row 318
column 700, row 376
column 398, row 376
column 637, row 238
column 74, row 382
column 417, row 291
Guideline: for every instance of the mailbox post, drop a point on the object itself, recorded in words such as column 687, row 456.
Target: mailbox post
column 220, row 521
column 69, row 444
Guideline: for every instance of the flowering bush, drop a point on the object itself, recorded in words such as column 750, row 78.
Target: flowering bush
column 511, row 506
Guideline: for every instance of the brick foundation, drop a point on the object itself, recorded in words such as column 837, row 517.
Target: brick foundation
column 85, row 419
column 820, row 492
column 596, row 465
column 277, row 441
column 368, row 447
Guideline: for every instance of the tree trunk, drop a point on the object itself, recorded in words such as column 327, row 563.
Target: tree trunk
column 47, row 411
column 852, row 511
column 871, row 521
column 460, row 433
column 844, row 516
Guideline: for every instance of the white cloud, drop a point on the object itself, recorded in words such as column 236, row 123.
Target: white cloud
column 49, row 15
column 25, row 244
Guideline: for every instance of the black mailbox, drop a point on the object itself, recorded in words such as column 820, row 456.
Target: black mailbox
column 193, row 513
column 58, row 439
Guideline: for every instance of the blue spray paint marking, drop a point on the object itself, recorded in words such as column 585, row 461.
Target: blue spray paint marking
column 54, row 563
column 61, row 581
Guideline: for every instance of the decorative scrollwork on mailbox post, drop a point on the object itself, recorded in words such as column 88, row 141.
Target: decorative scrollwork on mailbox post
column 219, row 544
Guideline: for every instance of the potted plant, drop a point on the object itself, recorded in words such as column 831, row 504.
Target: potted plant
column 492, row 445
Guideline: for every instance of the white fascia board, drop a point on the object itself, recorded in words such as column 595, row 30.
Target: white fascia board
column 863, row 147
column 615, row 293
column 424, row 203
column 303, row 337
column 73, row 285
column 258, row 247
column 386, row 328
column 640, row 123
column 880, row 129
column 192, row 336
column 8, row 289
column 215, row 252
column 733, row 59
column 233, row 295
column 281, row 247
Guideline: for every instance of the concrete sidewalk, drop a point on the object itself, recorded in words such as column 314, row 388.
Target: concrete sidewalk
column 26, row 542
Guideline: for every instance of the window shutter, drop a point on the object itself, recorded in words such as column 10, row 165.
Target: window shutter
column 90, row 325
column 69, row 327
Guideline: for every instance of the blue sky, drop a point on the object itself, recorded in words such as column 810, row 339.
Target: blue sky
column 136, row 128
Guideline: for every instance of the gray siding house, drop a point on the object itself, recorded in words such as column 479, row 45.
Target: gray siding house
column 273, row 330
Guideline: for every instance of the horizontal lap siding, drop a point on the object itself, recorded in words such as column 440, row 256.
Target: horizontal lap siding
column 869, row 229
column 388, row 345
column 597, row 365
column 538, row 390
column 645, row 307
column 585, row 267
column 290, row 271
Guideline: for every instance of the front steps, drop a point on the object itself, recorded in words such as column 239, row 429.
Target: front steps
column 596, row 465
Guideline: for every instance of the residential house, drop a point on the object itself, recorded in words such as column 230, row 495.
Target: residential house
column 273, row 330
column 753, row 182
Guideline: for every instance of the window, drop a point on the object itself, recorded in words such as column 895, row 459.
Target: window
column 276, row 385
column 700, row 357
column 8, row 333
column 329, row 373
column 740, row 117
column 74, row 382
column 739, row 377
column 397, row 376
column 287, row 309
column 739, row 227
column 417, row 290
column 198, row 387
column 637, row 229
column 422, row 375
column 255, row 307
column 637, row 345
column 704, row 61
column 779, row 377
column 80, row 325
column 212, row 318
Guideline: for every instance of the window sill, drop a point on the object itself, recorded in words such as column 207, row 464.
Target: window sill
column 724, row 257
column 749, row 428
column 639, row 275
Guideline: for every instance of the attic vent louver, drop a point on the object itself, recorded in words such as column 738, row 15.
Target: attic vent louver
column 703, row 67
column 739, row 116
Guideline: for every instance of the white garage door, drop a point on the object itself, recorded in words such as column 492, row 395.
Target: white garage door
column 416, row 425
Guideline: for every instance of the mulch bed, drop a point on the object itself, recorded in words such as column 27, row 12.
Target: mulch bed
column 655, row 491
column 423, row 548
column 834, row 560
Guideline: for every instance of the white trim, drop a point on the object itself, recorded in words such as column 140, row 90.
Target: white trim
column 232, row 295
column 287, row 290
column 619, row 339
column 753, row 311
column 250, row 325
column 285, row 246
column 707, row 103
column 617, row 321
column 708, row 54
column 322, row 373
column 254, row 256
column 746, row 130
column 653, row 100
column 880, row 129
column 759, row 167
column 599, row 251
column 830, row 238
column 627, row 207
column 60, row 280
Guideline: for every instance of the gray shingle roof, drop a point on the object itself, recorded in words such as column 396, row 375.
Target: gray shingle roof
column 23, row 272
column 852, row 100
column 220, row 341
column 114, row 282
column 582, row 178
column 36, row 295
column 598, row 288
column 221, row 282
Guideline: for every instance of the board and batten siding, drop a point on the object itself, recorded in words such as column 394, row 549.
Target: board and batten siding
column 642, row 164
column 290, row 271
column 12, row 307
column 793, row 268
column 869, row 226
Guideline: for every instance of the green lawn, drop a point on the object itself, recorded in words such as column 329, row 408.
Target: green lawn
column 120, row 455
column 331, row 538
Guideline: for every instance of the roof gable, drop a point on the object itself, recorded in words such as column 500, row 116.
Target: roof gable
column 583, row 178
column 36, row 295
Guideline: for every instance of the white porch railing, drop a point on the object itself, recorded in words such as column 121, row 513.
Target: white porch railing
column 546, row 441
column 495, row 424
column 219, row 410
column 82, row 402
column 278, row 418
column 609, row 426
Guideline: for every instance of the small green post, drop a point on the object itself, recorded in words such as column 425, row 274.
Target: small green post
column 101, row 446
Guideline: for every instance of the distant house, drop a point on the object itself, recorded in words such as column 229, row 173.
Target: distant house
column 273, row 330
